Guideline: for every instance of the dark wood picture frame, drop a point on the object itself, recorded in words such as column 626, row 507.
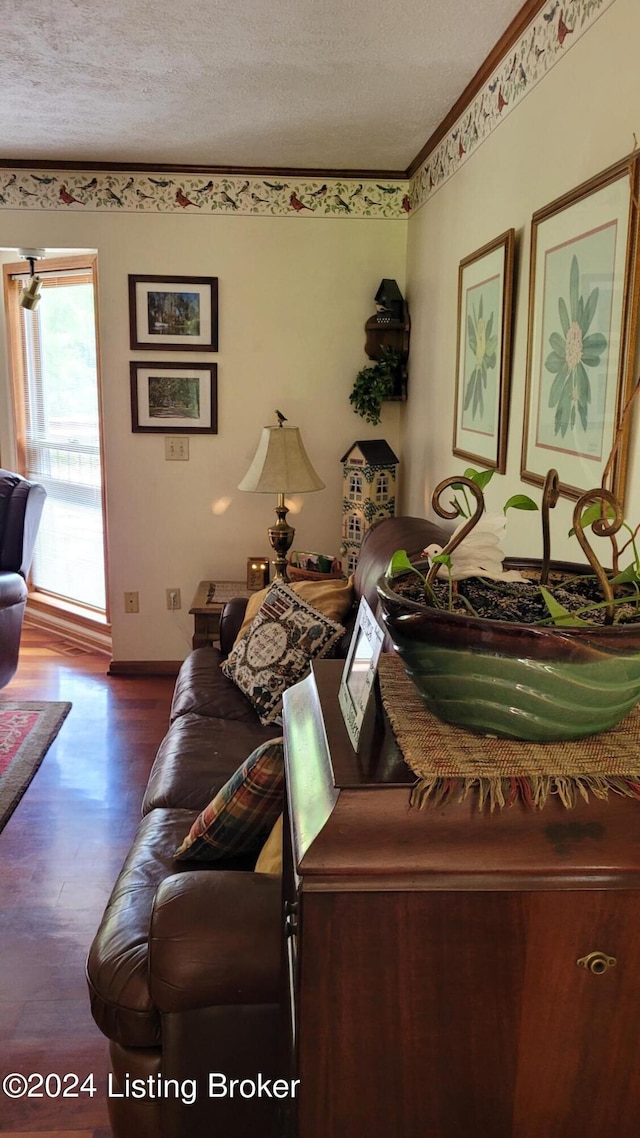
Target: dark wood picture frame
column 484, row 276
column 190, row 410
column 186, row 320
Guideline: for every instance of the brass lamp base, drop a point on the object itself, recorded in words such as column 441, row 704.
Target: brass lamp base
column 281, row 539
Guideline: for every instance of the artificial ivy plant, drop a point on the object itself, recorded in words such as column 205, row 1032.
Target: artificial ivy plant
column 374, row 384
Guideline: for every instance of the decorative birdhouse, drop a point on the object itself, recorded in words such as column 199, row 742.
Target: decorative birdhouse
column 369, row 493
column 389, row 303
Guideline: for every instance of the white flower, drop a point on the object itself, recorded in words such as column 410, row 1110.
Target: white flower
column 479, row 553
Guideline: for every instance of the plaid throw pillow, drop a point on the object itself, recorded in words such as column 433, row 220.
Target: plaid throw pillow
column 286, row 634
column 243, row 812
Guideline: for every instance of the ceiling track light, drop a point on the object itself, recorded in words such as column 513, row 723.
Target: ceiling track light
column 30, row 295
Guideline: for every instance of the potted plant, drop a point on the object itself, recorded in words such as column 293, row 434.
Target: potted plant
column 552, row 656
column 376, row 383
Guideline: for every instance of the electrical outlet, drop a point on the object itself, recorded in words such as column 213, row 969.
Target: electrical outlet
column 176, row 449
column 131, row 603
column 173, row 599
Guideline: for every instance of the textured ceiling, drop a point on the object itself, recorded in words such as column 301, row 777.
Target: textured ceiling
column 305, row 83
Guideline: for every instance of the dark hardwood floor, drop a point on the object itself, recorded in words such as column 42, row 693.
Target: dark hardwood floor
column 60, row 853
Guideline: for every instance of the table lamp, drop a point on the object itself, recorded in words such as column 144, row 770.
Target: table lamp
column 281, row 466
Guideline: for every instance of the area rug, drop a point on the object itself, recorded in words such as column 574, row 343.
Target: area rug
column 27, row 730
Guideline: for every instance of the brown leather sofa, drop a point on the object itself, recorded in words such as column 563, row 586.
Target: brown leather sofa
column 21, row 505
column 184, row 972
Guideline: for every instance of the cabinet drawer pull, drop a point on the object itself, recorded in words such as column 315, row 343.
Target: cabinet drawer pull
column 597, row 962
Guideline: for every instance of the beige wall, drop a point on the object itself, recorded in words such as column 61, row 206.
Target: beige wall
column 294, row 296
column 577, row 121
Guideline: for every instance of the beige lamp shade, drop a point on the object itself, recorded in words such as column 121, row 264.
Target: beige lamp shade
column 281, row 465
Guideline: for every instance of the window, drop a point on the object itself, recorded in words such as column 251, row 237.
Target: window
column 354, row 528
column 57, row 419
column 355, row 487
column 382, row 487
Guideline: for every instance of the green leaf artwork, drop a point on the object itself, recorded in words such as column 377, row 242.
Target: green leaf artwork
column 484, row 345
column 572, row 352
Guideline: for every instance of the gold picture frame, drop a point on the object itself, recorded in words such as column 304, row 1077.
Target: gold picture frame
column 483, row 356
column 583, row 295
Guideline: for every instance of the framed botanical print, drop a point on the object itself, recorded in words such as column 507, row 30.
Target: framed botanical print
column 582, row 316
column 180, row 398
column 176, row 314
column 485, row 292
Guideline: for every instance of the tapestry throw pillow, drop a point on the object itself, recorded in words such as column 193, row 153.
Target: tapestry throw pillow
column 276, row 652
column 240, row 816
column 333, row 598
column 270, row 856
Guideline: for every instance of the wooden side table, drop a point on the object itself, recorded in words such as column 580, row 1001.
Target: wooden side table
column 208, row 603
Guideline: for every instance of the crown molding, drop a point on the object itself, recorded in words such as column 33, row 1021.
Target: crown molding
column 213, row 171
column 548, row 28
column 504, row 45
column 535, row 42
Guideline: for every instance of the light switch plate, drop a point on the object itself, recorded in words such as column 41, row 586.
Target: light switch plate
column 176, row 448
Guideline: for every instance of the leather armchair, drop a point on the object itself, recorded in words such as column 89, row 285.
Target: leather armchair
column 21, row 505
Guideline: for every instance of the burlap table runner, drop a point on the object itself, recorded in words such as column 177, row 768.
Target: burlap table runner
column 451, row 762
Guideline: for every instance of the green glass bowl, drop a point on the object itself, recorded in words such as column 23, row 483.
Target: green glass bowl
column 516, row 680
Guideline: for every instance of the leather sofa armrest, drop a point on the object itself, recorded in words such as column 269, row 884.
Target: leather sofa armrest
column 231, row 619
column 21, row 504
column 215, row 939
column 13, row 590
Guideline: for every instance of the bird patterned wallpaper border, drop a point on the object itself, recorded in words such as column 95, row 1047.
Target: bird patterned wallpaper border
column 83, row 191
column 543, row 43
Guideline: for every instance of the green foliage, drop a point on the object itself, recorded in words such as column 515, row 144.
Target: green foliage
column 400, row 563
column 67, row 322
column 592, row 513
column 601, row 510
column 374, row 384
column 441, row 559
column 558, row 613
column 628, row 576
column 482, row 479
column 519, row 502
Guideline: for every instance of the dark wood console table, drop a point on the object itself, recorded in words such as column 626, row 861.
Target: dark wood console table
column 432, row 956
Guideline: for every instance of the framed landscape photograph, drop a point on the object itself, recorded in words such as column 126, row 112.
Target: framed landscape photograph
column 181, row 397
column 483, row 359
column 178, row 314
column 582, row 317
